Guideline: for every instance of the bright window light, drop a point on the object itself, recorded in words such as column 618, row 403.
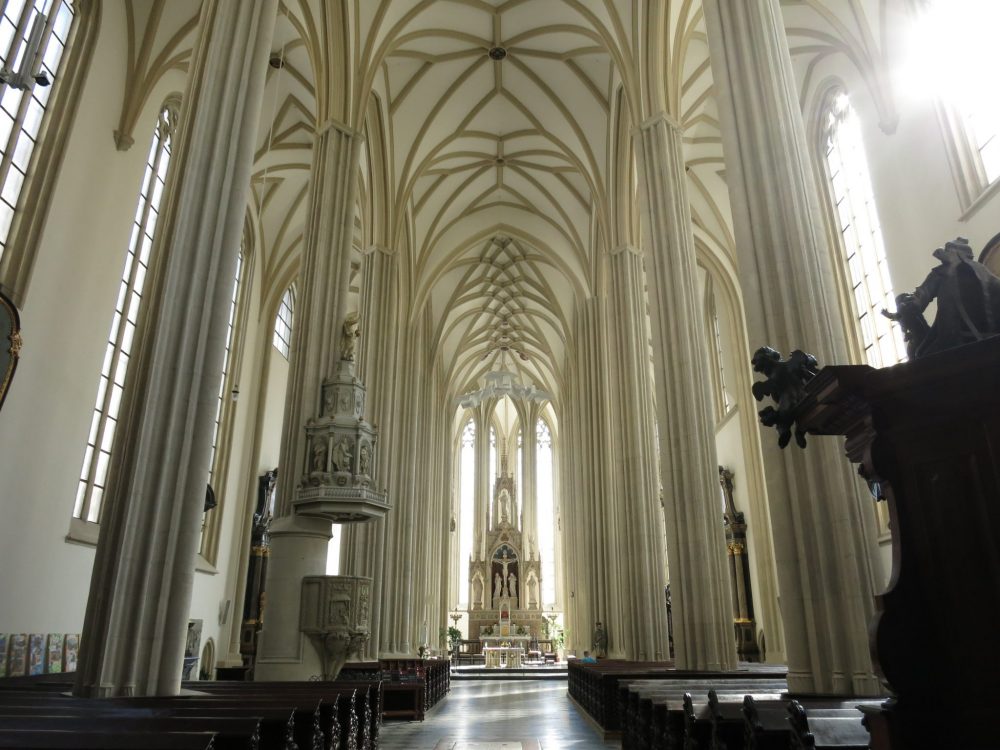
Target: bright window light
column 951, row 54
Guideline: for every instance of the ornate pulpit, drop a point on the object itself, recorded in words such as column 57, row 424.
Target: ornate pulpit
column 926, row 436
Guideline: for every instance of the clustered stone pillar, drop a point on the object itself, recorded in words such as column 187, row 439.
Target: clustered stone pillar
column 299, row 545
column 703, row 628
column 363, row 544
column 590, row 560
column 135, row 627
column 643, row 633
column 529, row 412
column 823, row 530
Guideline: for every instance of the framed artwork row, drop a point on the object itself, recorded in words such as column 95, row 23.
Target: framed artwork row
column 38, row 653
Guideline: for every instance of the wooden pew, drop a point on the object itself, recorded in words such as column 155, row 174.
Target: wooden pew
column 833, row 728
column 233, row 733
column 654, row 711
column 111, row 740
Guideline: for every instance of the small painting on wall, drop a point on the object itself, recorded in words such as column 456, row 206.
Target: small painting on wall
column 54, row 655
column 17, row 660
column 36, row 653
column 70, row 650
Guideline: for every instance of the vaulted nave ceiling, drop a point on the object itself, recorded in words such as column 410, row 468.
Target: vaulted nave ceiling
column 500, row 183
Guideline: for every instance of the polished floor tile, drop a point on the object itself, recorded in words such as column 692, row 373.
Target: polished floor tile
column 498, row 715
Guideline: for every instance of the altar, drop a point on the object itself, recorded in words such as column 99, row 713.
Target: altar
column 519, row 641
column 503, row 656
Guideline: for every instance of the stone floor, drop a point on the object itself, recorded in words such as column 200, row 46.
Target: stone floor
column 498, row 715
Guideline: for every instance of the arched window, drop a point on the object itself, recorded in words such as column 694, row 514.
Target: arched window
column 33, row 36
column 467, row 499
column 861, row 234
column 111, row 384
column 964, row 81
column 546, row 513
column 225, row 387
column 283, row 323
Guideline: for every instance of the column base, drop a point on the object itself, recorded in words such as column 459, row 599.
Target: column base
column 298, row 549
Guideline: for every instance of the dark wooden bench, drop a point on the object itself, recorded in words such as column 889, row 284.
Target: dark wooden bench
column 840, row 728
column 111, row 740
column 232, row 733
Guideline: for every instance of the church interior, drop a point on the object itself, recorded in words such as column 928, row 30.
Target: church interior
column 388, row 332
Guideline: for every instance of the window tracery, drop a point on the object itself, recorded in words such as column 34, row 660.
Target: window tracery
column 111, row 383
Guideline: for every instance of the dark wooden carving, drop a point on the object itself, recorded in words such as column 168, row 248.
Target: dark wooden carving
column 928, row 432
column 10, row 343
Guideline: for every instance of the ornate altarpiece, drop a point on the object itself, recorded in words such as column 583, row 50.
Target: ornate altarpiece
column 505, row 587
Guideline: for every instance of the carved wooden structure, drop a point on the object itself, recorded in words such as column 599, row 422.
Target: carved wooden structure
column 928, row 432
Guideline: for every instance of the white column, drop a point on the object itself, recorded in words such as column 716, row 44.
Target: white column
column 363, row 544
column 641, row 533
column 297, row 546
column 823, row 538
column 136, row 622
column 592, row 557
column 696, row 545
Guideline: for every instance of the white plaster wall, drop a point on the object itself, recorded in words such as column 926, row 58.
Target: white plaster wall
column 66, row 316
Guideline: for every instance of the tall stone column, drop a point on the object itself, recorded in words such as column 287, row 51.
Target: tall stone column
column 529, row 412
column 641, row 540
column 140, row 596
column 363, row 544
column 299, row 545
column 484, row 480
column 823, row 530
column 592, row 577
column 696, row 545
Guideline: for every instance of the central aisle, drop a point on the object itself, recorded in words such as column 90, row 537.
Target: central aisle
column 497, row 715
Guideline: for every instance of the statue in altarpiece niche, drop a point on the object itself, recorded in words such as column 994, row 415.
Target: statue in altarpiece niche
column 512, row 586
column 350, row 332
column 497, row 587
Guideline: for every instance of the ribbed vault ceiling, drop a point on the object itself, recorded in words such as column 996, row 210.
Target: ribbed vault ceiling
column 499, row 183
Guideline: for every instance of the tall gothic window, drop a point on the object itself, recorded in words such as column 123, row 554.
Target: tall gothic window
column 223, row 388
column 868, row 270
column 33, row 36
column 111, row 383
column 546, row 513
column 283, row 323
column 467, row 499
column 964, row 80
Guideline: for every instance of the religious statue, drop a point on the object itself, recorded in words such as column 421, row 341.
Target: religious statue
column 497, row 587
column 364, row 460
column 532, row 592
column 477, row 592
column 968, row 303
column 505, row 508
column 512, row 585
column 350, row 332
column 786, row 385
column 319, row 455
column 342, row 455
column 600, row 645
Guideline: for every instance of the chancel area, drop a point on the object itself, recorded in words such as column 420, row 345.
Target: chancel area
column 356, row 353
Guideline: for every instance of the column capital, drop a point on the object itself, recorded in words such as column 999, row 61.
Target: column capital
column 653, row 120
column 376, row 248
column 625, row 248
column 332, row 124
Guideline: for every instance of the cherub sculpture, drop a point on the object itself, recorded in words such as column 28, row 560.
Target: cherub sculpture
column 785, row 384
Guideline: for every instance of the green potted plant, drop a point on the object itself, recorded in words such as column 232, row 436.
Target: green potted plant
column 454, row 637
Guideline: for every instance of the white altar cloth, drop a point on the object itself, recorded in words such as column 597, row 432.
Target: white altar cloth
column 503, row 656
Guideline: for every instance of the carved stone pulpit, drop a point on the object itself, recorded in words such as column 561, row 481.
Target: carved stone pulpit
column 337, row 483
